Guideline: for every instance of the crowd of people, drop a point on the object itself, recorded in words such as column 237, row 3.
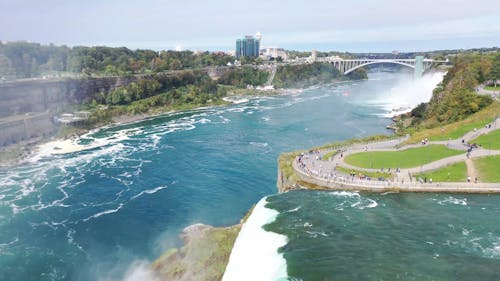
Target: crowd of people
column 316, row 169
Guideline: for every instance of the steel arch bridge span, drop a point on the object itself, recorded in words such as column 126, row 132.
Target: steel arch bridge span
column 378, row 62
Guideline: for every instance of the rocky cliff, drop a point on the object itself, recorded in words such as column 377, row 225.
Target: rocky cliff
column 27, row 107
column 287, row 178
column 203, row 257
column 20, row 97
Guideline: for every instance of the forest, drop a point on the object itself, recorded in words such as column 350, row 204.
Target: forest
column 28, row 60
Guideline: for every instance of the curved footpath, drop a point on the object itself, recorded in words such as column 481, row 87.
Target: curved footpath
column 312, row 169
column 482, row 91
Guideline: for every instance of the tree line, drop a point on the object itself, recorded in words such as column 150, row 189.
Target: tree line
column 27, row 60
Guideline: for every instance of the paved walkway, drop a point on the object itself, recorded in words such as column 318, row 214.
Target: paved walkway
column 482, row 91
column 471, row 170
column 313, row 168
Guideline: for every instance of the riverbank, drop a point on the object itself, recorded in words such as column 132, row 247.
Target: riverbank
column 66, row 140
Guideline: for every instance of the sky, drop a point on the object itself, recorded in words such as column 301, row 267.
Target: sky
column 348, row 25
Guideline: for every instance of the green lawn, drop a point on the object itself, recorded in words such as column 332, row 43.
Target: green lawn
column 408, row 158
column 489, row 141
column 488, row 168
column 457, row 129
column 492, row 88
column 460, row 131
column 452, row 173
column 330, row 154
column 374, row 175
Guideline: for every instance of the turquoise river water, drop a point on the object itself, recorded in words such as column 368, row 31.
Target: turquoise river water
column 102, row 213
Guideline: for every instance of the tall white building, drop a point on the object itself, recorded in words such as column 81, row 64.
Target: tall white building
column 274, row 53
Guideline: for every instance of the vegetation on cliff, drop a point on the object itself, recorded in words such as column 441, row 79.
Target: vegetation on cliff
column 455, row 98
column 204, row 256
column 242, row 76
column 174, row 91
column 456, row 129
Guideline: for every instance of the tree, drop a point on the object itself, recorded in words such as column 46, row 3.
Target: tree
column 495, row 70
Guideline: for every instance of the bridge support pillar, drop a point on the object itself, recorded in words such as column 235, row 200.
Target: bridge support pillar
column 419, row 67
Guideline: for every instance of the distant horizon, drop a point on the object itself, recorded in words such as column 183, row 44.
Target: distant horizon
column 346, row 26
column 320, row 48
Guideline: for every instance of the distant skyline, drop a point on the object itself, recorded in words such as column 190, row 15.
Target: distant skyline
column 355, row 26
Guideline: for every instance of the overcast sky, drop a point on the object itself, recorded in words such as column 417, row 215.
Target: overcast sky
column 348, row 25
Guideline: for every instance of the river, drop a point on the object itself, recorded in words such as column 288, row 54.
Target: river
column 100, row 214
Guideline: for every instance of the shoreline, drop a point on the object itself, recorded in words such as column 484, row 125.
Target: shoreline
column 21, row 153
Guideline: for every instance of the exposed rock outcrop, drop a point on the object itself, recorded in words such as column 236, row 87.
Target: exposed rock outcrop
column 203, row 257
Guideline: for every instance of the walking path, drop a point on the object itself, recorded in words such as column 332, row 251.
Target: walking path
column 482, row 91
column 471, row 170
column 312, row 168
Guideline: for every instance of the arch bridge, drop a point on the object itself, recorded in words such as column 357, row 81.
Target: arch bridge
column 346, row 66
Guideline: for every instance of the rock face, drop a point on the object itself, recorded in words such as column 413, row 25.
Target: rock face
column 25, row 127
column 21, row 97
column 204, row 256
column 285, row 183
column 27, row 107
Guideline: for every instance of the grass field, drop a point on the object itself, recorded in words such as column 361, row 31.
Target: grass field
column 330, row 154
column 285, row 164
column 492, row 88
column 456, row 133
column 489, row 141
column 374, row 175
column 452, row 173
column 408, row 158
column 488, row 168
column 458, row 129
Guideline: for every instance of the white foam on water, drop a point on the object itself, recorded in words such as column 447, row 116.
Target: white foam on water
column 293, row 210
column 453, row 201
column 71, row 240
column 344, row 194
column 258, row 144
column 236, row 100
column 224, row 119
column 4, row 246
column 315, row 234
column 493, row 251
column 149, row 191
column 106, row 212
column 255, row 253
column 354, row 200
column 363, row 204
column 73, row 145
column 204, row 121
